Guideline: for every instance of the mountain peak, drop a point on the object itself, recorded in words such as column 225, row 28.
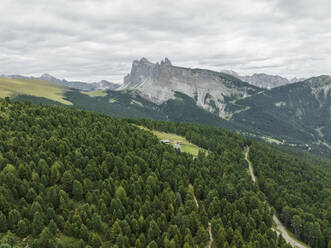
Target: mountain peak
column 144, row 60
column 47, row 76
column 166, row 62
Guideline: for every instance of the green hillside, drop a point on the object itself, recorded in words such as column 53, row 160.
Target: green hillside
column 14, row 87
column 298, row 114
column 72, row 178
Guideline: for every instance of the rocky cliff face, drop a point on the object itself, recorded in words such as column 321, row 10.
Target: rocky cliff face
column 211, row 90
column 263, row 80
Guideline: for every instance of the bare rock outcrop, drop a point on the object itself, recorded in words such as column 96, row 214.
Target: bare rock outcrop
column 211, row 90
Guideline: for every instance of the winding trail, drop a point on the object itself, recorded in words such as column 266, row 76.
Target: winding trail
column 211, row 239
column 280, row 227
column 250, row 165
column 195, row 199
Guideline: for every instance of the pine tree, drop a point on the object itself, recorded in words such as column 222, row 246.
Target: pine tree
column 95, row 240
column 77, row 190
column 37, row 224
column 45, row 236
column 67, row 180
column 152, row 244
column 13, row 218
column 220, row 237
column 115, row 231
column 84, row 233
column 3, row 222
column 68, row 228
column 22, row 228
column 54, row 173
column 153, row 231
column 52, row 227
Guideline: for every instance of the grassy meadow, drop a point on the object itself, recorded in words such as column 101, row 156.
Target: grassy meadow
column 185, row 144
column 10, row 87
column 95, row 93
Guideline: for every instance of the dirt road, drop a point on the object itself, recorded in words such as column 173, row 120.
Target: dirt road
column 280, row 227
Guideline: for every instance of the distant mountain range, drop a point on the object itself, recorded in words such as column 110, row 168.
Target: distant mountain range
column 292, row 115
column 102, row 85
column 263, row 80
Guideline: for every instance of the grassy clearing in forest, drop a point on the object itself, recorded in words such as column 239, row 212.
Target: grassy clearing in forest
column 185, row 144
column 95, row 93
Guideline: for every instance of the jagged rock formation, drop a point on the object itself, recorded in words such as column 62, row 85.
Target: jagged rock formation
column 263, row 80
column 211, row 90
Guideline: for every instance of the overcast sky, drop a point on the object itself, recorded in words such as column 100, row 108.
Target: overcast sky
column 91, row 40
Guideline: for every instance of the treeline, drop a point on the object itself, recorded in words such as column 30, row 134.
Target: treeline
column 72, row 178
column 299, row 191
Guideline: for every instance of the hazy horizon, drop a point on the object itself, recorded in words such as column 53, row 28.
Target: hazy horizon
column 36, row 75
column 98, row 40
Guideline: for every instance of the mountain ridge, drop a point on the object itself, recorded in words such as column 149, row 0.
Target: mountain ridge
column 264, row 80
column 101, row 85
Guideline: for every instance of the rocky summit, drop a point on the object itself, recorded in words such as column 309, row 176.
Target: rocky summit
column 158, row 82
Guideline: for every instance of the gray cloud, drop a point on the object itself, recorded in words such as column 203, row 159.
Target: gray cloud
column 92, row 40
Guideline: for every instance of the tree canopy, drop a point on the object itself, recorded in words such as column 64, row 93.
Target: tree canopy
column 71, row 178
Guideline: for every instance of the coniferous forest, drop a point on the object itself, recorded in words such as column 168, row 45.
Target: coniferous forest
column 71, row 178
column 299, row 192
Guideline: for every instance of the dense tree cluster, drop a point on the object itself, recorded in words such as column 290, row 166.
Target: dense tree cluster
column 300, row 193
column 298, row 187
column 72, row 178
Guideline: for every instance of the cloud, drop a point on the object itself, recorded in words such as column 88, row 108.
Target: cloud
column 91, row 40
